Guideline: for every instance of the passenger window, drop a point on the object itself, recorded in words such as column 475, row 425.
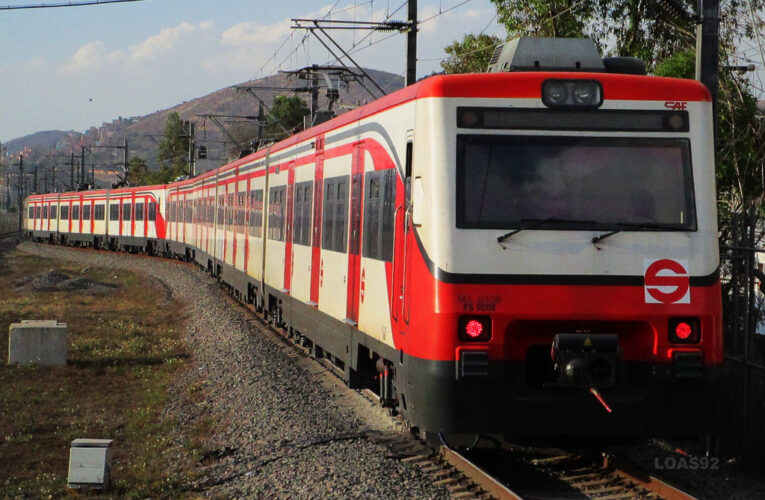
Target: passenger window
column 379, row 208
column 334, row 219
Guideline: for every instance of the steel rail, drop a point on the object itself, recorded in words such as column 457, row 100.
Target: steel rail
column 478, row 475
column 651, row 483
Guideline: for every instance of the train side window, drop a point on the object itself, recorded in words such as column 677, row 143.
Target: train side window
column 30, row 212
column 241, row 209
column 408, row 174
column 45, row 211
column 86, row 212
column 341, row 219
column 301, row 233
column 335, row 218
column 114, row 212
column 99, row 212
column 379, row 205
column 139, row 211
column 53, row 210
column 256, row 213
column 65, row 212
column 276, row 213
column 152, row 211
column 229, row 209
column 328, row 219
column 126, row 208
column 75, row 212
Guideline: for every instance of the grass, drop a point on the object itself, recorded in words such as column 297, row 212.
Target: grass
column 124, row 351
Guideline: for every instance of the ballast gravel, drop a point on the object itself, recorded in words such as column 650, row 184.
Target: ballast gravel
column 283, row 425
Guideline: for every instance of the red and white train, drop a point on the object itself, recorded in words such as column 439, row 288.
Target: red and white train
column 519, row 252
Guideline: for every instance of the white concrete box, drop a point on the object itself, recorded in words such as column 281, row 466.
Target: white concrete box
column 90, row 463
column 39, row 342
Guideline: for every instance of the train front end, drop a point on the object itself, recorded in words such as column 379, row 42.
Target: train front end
column 565, row 277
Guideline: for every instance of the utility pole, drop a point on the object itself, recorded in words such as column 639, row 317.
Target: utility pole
column 82, row 166
column 71, row 164
column 21, row 190
column 125, row 157
column 707, row 50
column 192, row 147
column 411, row 44
column 261, row 117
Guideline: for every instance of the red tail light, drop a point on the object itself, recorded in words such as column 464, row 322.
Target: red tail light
column 474, row 328
column 684, row 330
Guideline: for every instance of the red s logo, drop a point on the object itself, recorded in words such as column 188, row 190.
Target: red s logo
column 667, row 282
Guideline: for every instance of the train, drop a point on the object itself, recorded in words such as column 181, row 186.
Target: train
column 529, row 251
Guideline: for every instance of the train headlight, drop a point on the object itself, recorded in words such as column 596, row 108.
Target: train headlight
column 474, row 328
column 684, row 330
column 555, row 93
column 572, row 93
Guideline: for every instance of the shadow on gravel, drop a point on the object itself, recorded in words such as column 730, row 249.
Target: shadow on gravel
column 57, row 280
column 137, row 361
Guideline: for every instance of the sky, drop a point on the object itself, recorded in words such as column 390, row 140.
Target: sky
column 76, row 67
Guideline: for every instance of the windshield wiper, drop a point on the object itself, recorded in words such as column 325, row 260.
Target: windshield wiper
column 635, row 225
column 538, row 223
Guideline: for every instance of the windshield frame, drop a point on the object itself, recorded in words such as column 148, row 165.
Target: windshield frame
column 525, row 223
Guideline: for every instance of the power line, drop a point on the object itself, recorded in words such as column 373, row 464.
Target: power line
column 65, row 4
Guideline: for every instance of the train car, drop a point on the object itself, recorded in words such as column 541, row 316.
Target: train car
column 530, row 251
column 127, row 218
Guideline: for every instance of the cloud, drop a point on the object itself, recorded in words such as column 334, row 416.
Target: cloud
column 161, row 42
column 254, row 33
column 88, row 57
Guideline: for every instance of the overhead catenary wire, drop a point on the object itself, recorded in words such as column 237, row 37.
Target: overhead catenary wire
column 83, row 3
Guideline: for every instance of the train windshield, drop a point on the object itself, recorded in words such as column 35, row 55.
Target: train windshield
column 574, row 182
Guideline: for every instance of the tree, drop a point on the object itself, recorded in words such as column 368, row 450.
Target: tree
column 545, row 18
column 174, row 148
column 471, row 55
column 289, row 111
column 138, row 171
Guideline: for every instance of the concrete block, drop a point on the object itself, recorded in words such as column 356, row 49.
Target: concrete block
column 90, row 463
column 37, row 342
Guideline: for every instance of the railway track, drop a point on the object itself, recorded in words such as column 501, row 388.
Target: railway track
column 8, row 235
column 536, row 473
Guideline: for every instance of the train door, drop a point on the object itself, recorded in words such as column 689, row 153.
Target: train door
column 139, row 211
column 354, row 232
column 318, row 193
column 403, row 245
column 289, row 258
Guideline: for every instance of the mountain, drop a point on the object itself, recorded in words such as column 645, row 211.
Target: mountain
column 144, row 132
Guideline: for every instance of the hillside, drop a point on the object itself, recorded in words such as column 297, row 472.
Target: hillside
column 142, row 132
